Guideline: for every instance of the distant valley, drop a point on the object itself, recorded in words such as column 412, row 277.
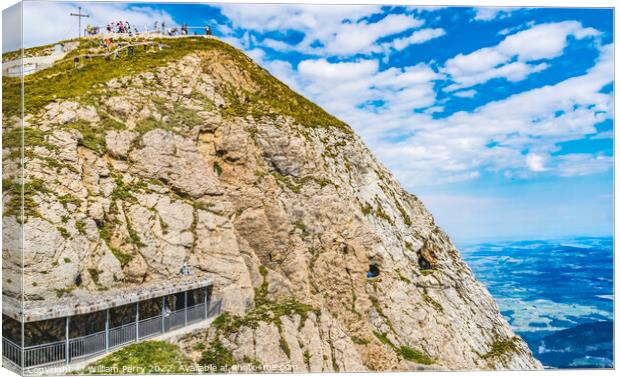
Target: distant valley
column 558, row 295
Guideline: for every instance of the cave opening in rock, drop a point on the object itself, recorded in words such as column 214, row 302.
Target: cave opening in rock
column 373, row 271
column 424, row 263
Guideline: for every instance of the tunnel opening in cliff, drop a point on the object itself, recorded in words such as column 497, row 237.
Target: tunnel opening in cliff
column 424, row 263
column 373, row 271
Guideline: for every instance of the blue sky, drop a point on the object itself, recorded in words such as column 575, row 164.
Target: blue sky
column 499, row 119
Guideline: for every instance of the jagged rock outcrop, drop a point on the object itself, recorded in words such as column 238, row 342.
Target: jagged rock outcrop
column 208, row 160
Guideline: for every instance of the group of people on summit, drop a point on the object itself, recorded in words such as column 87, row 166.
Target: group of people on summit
column 112, row 47
column 120, row 27
column 123, row 27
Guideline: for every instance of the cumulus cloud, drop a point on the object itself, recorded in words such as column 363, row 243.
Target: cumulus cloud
column 492, row 13
column 536, row 120
column 543, row 41
column 352, row 38
column 328, row 30
column 266, row 17
column 580, row 164
column 351, row 89
column 466, row 93
column 276, row 44
column 321, row 70
column 423, row 149
column 513, row 58
column 417, row 37
column 535, row 162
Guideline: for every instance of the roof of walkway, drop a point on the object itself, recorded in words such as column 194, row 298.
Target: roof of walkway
column 83, row 302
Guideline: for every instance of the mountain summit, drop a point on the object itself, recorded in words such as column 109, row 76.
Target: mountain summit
column 186, row 155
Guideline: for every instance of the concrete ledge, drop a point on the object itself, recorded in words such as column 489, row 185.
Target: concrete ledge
column 89, row 302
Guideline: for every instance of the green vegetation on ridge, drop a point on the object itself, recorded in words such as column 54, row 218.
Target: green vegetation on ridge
column 267, row 97
column 63, row 81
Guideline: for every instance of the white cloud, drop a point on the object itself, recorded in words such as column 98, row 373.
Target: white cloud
column 321, row 69
column 328, row 30
column 491, row 13
column 352, row 38
column 535, row 162
column 417, row 37
column 344, row 88
column 270, row 17
column 276, row 44
column 423, row 150
column 544, row 41
column 466, row 93
column 580, row 164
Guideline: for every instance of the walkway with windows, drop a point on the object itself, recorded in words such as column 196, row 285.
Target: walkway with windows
column 115, row 319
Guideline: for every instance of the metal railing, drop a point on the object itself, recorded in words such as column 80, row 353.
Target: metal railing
column 121, row 335
column 11, row 352
column 174, row 320
column 169, row 31
column 46, row 354
column 149, row 327
column 85, row 346
column 196, row 313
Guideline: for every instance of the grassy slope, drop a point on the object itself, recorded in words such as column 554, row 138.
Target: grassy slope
column 62, row 81
column 142, row 358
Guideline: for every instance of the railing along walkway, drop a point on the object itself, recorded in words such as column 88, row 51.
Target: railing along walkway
column 64, row 352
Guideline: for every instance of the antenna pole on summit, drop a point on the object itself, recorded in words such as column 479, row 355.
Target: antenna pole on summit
column 79, row 15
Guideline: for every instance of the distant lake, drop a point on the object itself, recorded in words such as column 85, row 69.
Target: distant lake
column 558, row 295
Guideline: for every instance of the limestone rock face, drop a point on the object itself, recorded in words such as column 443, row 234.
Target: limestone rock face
column 193, row 163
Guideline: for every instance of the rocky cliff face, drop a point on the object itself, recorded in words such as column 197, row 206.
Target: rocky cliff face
column 206, row 159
